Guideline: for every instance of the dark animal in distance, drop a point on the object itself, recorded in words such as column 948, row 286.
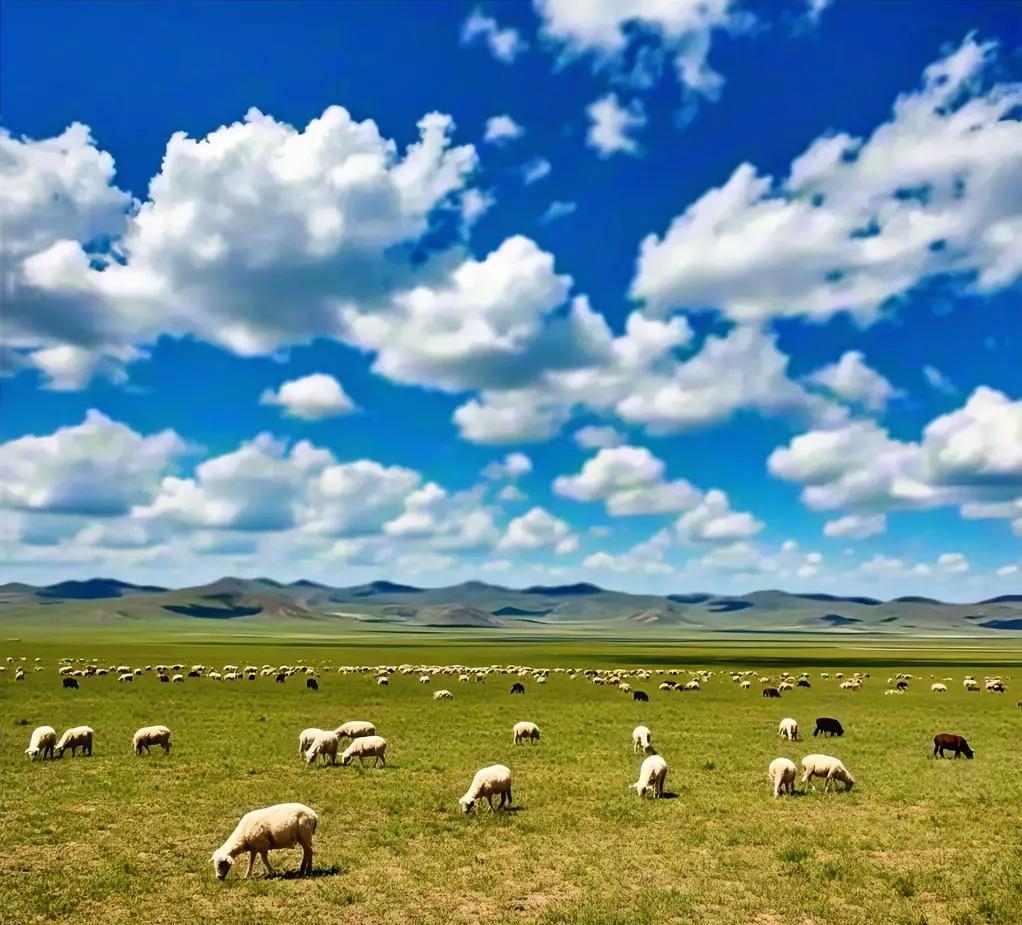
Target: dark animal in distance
column 996, row 688
column 517, row 688
column 771, row 692
column 194, row 674
column 312, row 684
column 902, row 685
column 828, row 726
column 164, row 679
column 951, row 742
column 640, row 695
column 802, row 682
column 70, row 683
column 280, row 678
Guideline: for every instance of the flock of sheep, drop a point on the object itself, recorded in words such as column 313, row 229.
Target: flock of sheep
column 293, row 824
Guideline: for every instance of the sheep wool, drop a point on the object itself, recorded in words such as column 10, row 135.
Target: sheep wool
column 44, row 739
column 488, row 782
column 782, row 773
column 282, row 826
column 374, row 747
column 652, row 775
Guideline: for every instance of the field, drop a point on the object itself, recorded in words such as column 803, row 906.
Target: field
column 114, row 838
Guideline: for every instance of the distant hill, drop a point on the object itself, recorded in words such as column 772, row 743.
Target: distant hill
column 576, row 607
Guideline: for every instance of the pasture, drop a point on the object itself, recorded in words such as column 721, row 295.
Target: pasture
column 115, row 837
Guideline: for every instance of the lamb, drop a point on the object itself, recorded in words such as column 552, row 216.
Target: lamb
column 526, row 730
column 324, row 746
column 443, row 695
column 44, row 738
column 77, row 737
column 827, row 767
column 488, row 782
column 354, row 729
column 641, row 739
column 782, row 773
column 148, row 736
column 652, row 775
column 306, row 737
column 282, row 826
column 788, row 729
column 374, row 747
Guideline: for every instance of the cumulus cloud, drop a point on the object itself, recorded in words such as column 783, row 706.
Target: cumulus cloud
column 504, row 43
column 855, row 526
column 645, row 558
column 853, row 381
column 612, row 126
column 713, row 521
column 539, row 529
column 311, row 398
column 858, row 222
column 535, row 170
column 502, row 129
column 512, row 466
column 593, row 436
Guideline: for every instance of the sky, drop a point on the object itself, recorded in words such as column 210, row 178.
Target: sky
column 664, row 296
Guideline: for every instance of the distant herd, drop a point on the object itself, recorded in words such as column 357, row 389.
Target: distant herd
column 293, row 824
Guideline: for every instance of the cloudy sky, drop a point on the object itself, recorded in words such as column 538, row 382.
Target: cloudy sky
column 666, row 296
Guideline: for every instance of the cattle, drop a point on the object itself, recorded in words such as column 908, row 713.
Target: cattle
column 71, row 683
column 312, row 684
column 641, row 696
column 951, row 742
column 827, row 726
column 771, row 692
column 517, row 688
column 281, row 678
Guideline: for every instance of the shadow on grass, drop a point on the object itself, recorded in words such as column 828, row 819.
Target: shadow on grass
column 333, row 871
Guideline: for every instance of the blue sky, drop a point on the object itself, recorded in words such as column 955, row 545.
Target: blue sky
column 724, row 296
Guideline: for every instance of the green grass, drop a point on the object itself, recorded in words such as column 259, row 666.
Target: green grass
column 116, row 837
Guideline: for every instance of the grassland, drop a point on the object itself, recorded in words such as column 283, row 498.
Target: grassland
column 116, row 837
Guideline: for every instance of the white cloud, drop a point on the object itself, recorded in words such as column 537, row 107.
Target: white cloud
column 502, row 129
column 593, row 436
column 310, row 398
column 99, row 468
column 855, row 526
column 512, row 466
column 511, row 493
column 852, row 380
column 537, row 529
column 449, row 521
column 628, row 480
column 557, row 209
column 954, row 563
column 713, row 521
column 535, row 170
column 612, row 126
column 1007, row 570
column 645, row 558
column 859, row 222
column 939, row 381
column 505, row 44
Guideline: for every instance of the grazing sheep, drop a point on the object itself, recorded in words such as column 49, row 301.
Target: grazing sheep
column 77, row 737
column 354, row 729
column 525, row 730
column 44, row 738
column 827, row 767
column 692, row 685
column 803, row 682
column 745, row 685
column 827, row 726
column 280, row 678
column 782, row 772
column 641, row 737
column 148, row 736
column 771, row 692
column 306, row 737
column 788, row 729
column 19, row 675
column 938, row 688
column 383, row 681
column 443, row 695
column 488, row 782
column 126, row 677
column 312, row 684
column 70, row 683
column 164, row 679
column 366, row 747
column 324, row 746
column 424, row 679
column 178, row 679
column 282, row 826
column 517, row 688
column 952, row 742
column 640, row 696
column 652, row 775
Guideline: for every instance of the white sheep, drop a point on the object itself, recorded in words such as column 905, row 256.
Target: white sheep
column 782, row 773
column 126, row 677
column 148, row 736
column 355, row 728
column 77, row 737
column 652, row 775
column 443, row 695
column 19, row 675
column 324, row 746
column 383, row 681
column 306, row 737
column 178, row 679
column 525, row 730
column 424, row 679
column 374, row 747
column 488, row 782
column 44, row 738
column 641, row 739
column 827, row 767
column 282, row 826
column 788, row 729
column 938, row 688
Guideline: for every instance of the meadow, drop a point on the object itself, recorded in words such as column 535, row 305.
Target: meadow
column 116, row 837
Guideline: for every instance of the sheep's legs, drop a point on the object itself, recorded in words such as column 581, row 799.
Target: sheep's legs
column 251, row 861
column 489, row 800
column 306, row 865
column 264, row 854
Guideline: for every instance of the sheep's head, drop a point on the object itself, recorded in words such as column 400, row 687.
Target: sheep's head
column 345, row 759
column 466, row 804
column 31, row 751
column 221, row 864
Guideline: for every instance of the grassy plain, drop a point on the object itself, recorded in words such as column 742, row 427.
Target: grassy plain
column 116, row 838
